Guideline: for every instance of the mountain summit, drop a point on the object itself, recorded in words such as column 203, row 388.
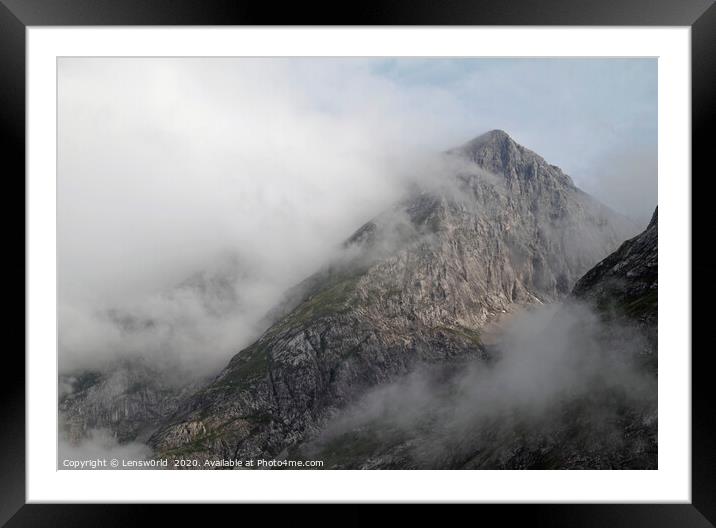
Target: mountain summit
column 417, row 286
column 497, row 141
column 498, row 153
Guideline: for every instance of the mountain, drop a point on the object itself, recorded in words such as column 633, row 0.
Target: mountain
column 416, row 287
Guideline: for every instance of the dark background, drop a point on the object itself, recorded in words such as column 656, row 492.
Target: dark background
column 15, row 15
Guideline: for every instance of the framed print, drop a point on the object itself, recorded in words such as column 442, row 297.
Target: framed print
column 411, row 257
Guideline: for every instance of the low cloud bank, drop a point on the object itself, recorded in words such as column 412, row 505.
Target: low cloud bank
column 562, row 383
column 195, row 323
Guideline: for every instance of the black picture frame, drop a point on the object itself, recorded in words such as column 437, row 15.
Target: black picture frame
column 700, row 15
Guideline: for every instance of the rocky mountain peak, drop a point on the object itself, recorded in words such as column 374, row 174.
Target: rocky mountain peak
column 493, row 137
column 496, row 152
column 493, row 142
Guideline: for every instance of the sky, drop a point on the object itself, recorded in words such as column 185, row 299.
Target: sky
column 577, row 113
column 595, row 118
column 164, row 165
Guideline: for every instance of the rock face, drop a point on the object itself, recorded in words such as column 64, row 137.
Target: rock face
column 416, row 287
column 625, row 284
column 127, row 400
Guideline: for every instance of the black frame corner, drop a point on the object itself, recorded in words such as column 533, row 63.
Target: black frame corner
column 700, row 15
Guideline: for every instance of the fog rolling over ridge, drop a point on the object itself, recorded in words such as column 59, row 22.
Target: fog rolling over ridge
column 555, row 395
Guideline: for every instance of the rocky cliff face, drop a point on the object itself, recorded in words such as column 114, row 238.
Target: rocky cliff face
column 416, row 287
column 625, row 284
column 127, row 399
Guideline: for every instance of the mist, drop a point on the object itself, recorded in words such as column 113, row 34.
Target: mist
column 559, row 375
column 625, row 179
column 166, row 166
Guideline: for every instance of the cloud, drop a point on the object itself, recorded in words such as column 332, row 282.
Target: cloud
column 625, row 178
column 163, row 164
column 557, row 371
